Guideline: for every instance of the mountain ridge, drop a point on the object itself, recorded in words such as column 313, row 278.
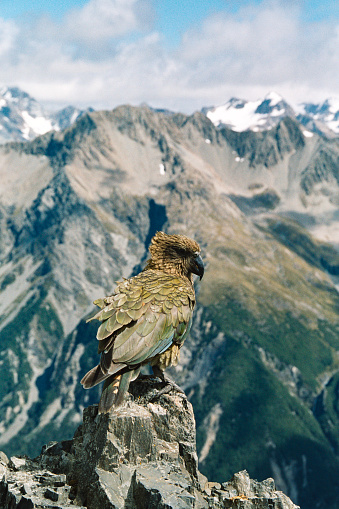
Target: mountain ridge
column 263, row 114
column 264, row 338
column 22, row 118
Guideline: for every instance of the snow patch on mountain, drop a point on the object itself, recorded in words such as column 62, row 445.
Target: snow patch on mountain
column 22, row 118
column 211, row 425
column 326, row 113
column 40, row 125
column 262, row 114
column 241, row 115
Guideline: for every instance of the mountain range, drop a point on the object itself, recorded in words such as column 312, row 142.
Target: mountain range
column 78, row 208
column 22, row 118
column 263, row 114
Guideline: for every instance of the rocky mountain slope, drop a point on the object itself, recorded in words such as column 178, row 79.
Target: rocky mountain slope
column 77, row 211
column 23, row 118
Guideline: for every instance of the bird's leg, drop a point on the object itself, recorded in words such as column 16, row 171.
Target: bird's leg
column 142, row 376
column 169, row 383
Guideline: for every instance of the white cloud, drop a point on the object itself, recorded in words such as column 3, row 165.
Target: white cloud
column 8, row 34
column 265, row 46
column 103, row 20
column 106, row 54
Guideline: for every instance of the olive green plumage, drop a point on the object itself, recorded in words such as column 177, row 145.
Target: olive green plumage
column 147, row 318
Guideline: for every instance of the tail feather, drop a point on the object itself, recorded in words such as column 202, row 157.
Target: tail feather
column 97, row 375
column 115, row 389
column 93, row 377
column 109, row 393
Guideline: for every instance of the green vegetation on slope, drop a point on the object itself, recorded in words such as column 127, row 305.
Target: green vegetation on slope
column 262, row 425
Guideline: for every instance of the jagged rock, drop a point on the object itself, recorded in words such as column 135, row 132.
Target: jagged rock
column 35, row 488
column 142, row 455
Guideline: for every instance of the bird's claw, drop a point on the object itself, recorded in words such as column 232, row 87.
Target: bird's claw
column 168, row 383
column 168, row 387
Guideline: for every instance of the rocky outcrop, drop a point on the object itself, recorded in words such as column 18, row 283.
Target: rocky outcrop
column 142, row 455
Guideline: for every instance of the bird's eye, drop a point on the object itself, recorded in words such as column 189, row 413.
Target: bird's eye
column 181, row 252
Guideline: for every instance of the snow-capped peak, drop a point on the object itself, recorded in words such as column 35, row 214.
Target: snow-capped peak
column 23, row 118
column 241, row 115
column 326, row 113
column 274, row 98
column 263, row 114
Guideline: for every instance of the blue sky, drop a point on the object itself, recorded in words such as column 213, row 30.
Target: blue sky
column 169, row 53
column 12, row 9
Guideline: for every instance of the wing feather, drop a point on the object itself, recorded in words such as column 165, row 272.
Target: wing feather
column 126, row 334
column 103, row 333
column 135, row 314
column 146, row 315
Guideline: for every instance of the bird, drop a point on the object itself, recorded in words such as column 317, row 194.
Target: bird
column 147, row 318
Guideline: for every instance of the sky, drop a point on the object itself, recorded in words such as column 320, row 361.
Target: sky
column 175, row 54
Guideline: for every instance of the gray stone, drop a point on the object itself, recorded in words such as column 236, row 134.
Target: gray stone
column 245, row 493
column 17, row 463
column 3, row 458
column 26, row 489
column 141, row 455
column 25, row 503
column 3, row 472
column 51, row 495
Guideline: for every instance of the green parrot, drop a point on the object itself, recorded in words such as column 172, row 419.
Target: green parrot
column 147, row 318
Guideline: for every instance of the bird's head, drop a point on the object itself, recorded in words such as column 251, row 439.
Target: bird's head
column 175, row 254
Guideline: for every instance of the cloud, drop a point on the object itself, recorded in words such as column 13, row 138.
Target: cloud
column 103, row 20
column 8, row 34
column 265, row 46
column 108, row 53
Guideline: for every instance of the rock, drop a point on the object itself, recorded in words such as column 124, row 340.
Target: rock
column 3, row 458
column 142, row 451
column 141, row 455
column 17, row 463
column 3, row 472
column 248, row 493
column 51, row 495
column 35, row 487
column 26, row 489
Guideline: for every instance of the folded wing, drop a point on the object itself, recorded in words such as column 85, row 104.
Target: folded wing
column 145, row 316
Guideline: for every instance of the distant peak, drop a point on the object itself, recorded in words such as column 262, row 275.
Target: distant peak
column 13, row 93
column 22, row 118
column 242, row 115
column 274, row 98
column 235, row 102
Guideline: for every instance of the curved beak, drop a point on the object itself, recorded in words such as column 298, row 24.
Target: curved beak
column 198, row 266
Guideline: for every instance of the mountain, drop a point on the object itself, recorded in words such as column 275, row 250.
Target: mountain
column 320, row 117
column 23, row 118
column 77, row 211
column 241, row 115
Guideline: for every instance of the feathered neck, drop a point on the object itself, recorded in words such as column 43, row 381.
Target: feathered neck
column 171, row 254
column 169, row 266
